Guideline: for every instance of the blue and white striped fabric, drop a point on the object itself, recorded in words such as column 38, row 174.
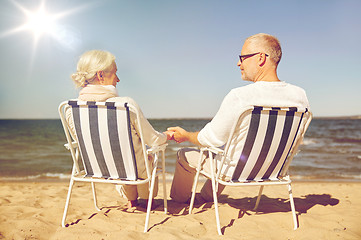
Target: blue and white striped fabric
column 103, row 132
column 271, row 135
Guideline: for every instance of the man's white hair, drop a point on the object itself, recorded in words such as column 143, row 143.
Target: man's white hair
column 266, row 43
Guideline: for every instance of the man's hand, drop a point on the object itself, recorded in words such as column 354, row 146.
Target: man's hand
column 180, row 135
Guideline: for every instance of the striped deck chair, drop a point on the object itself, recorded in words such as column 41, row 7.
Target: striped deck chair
column 102, row 148
column 273, row 136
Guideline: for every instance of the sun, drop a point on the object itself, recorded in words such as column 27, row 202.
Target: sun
column 40, row 22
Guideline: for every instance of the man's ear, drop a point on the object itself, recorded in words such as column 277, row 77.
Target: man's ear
column 262, row 59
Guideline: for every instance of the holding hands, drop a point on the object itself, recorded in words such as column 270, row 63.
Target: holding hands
column 180, row 135
column 177, row 134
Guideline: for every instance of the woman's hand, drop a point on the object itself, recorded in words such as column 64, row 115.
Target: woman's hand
column 170, row 135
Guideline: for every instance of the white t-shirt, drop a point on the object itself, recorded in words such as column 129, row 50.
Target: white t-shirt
column 270, row 94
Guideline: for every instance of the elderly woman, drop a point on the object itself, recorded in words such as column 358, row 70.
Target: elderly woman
column 97, row 76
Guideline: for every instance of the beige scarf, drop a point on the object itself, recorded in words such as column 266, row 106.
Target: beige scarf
column 98, row 93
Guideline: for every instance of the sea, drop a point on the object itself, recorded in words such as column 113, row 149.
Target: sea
column 33, row 150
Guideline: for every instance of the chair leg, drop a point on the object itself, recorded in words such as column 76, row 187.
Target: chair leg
column 195, row 182
column 295, row 224
column 164, row 185
column 258, row 198
column 214, row 190
column 67, row 202
column 194, row 187
column 215, row 199
column 95, row 197
column 150, row 198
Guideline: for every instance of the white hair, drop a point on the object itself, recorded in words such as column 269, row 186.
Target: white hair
column 89, row 64
column 268, row 44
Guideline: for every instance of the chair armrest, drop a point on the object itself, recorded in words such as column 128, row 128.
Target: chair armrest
column 158, row 148
column 72, row 145
column 216, row 151
column 213, row 150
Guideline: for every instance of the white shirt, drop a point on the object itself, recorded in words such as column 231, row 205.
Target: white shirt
column 270, row 94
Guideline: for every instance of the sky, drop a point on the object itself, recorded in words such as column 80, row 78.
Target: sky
column 177, row 59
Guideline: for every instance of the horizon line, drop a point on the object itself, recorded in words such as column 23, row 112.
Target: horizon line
column 191, row 118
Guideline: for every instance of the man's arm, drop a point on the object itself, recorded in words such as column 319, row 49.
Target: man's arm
column 181, row 135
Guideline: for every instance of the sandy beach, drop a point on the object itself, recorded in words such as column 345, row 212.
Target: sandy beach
column 325, row 210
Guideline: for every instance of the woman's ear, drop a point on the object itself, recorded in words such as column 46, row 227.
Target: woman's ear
column 100, row 76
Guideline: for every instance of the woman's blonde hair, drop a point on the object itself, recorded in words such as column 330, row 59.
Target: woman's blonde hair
column 89, row 64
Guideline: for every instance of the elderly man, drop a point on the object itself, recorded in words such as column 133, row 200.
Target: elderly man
column 260, row 56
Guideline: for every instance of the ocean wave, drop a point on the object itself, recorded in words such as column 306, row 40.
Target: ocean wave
column 59, row 177
column 350, row 176
column 174, row 149
column 309, row 141
column 347, row 140
column 324, row 177
column 45, row 176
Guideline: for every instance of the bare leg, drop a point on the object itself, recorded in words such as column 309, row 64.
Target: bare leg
column 132, row 203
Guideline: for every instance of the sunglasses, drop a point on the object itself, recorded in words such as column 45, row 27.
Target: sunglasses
column 243, row 57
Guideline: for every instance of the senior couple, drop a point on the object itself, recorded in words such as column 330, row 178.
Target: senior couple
column 260, row 55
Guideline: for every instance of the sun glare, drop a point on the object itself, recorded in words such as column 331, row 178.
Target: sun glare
column 40, row 22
